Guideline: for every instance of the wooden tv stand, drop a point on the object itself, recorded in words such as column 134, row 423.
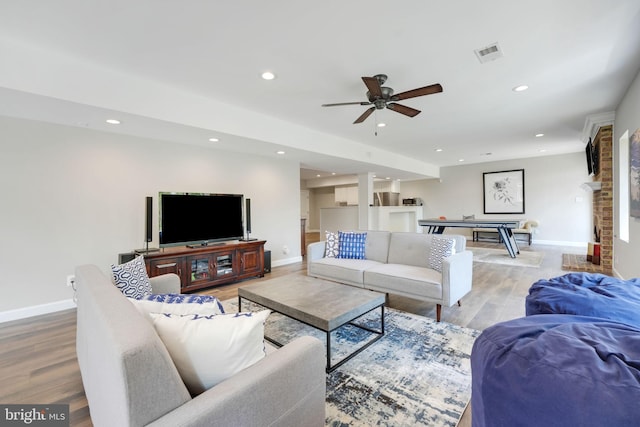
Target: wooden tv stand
column 207, row 266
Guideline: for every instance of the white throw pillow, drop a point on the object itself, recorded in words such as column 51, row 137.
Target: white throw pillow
column 332, row 245
column 209, row 349
column 179, row 304
column 131, row 278
column 440, row 248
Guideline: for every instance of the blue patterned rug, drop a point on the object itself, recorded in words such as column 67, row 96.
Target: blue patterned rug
column 418, row 374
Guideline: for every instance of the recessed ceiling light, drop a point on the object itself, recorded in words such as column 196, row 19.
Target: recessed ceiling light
column 113, row 121
column 280, row 152
column 461, row 160
column 318, row 176
column 268, row 75
column 543, row 151
column 438, row 150
column 381, row 125
column 333, row 173
column 214, row 139
column 388, row 177
column 520, row 88
column 538, row 135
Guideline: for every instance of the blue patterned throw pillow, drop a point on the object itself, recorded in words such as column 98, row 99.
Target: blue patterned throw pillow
column 440, row 248
column 178, row 304
column 351, row 245
column 131, row 278
column 332, row 250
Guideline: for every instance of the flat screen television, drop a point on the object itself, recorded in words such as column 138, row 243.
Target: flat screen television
column 589, row 154
column 196, row 219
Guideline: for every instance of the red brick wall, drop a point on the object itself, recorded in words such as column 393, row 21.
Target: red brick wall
column 603, row 199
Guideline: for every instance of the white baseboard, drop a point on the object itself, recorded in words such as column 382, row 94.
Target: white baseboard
column 558, row 243
column 36, row 310
column 286, row 261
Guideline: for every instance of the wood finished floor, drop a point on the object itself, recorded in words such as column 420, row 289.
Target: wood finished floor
column 38, row 363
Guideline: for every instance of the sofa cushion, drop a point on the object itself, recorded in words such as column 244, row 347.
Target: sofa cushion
column 441, row 248
column 178, row 304
column 131, row 278
column 351, row 245
column 404, row 280
column 331, row 248
column 348, row 271
column 210, row 349
column 377, row 246
column 410, row 248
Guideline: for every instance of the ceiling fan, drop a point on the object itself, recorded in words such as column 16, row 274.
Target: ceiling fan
column 382, row 97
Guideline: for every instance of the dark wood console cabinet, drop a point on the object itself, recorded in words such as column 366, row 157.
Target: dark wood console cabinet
column 208, row 266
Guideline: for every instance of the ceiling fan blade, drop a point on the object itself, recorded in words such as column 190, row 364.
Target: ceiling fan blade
column 427, row 90
column 364, row 115
column 373, row 85
column 403, row 109
column 346, row 103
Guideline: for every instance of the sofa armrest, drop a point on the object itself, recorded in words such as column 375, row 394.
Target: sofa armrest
column 457, row 275
column 286, row 388
column 316, row 250
column 165, row 284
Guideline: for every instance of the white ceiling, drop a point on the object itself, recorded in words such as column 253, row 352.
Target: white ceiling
column 76, row 61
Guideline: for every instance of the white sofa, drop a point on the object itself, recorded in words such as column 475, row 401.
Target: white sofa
column 130, row 379
column 397, row 263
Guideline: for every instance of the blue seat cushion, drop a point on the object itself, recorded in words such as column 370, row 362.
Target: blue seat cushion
column 587, row 294
column 556, row 370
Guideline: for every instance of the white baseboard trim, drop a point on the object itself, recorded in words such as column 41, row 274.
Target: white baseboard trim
column 286, row 261
column 558, row 243
column 36, row 310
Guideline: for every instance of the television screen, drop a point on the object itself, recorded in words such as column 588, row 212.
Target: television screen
column 199, row 218
column 589, row 153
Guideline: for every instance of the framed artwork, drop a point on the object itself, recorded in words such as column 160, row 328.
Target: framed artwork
column 634, row 174
column 503, row 192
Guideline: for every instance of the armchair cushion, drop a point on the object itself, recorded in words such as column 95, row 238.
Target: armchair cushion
column 210, row 349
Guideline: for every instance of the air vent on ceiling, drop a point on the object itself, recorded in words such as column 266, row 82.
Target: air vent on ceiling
column 489, row 53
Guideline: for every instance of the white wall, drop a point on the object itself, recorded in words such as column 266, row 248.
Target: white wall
column 552, row 195
column 625, row 254
column 71, row 196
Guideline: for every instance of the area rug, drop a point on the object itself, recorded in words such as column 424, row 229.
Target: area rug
column 417, row 374
column 501, row 256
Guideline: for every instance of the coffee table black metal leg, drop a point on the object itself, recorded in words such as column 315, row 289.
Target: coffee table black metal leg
column 379, row 334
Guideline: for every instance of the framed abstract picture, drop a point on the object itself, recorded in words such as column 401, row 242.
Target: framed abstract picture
column 503, row 192
column 634, row 174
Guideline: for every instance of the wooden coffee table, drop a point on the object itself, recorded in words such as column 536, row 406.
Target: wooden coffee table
column 318, row 303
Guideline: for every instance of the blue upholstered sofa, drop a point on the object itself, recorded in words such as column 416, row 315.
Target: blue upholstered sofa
column 573, row 361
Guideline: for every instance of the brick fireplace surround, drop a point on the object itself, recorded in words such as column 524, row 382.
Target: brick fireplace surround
column 602, row 209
